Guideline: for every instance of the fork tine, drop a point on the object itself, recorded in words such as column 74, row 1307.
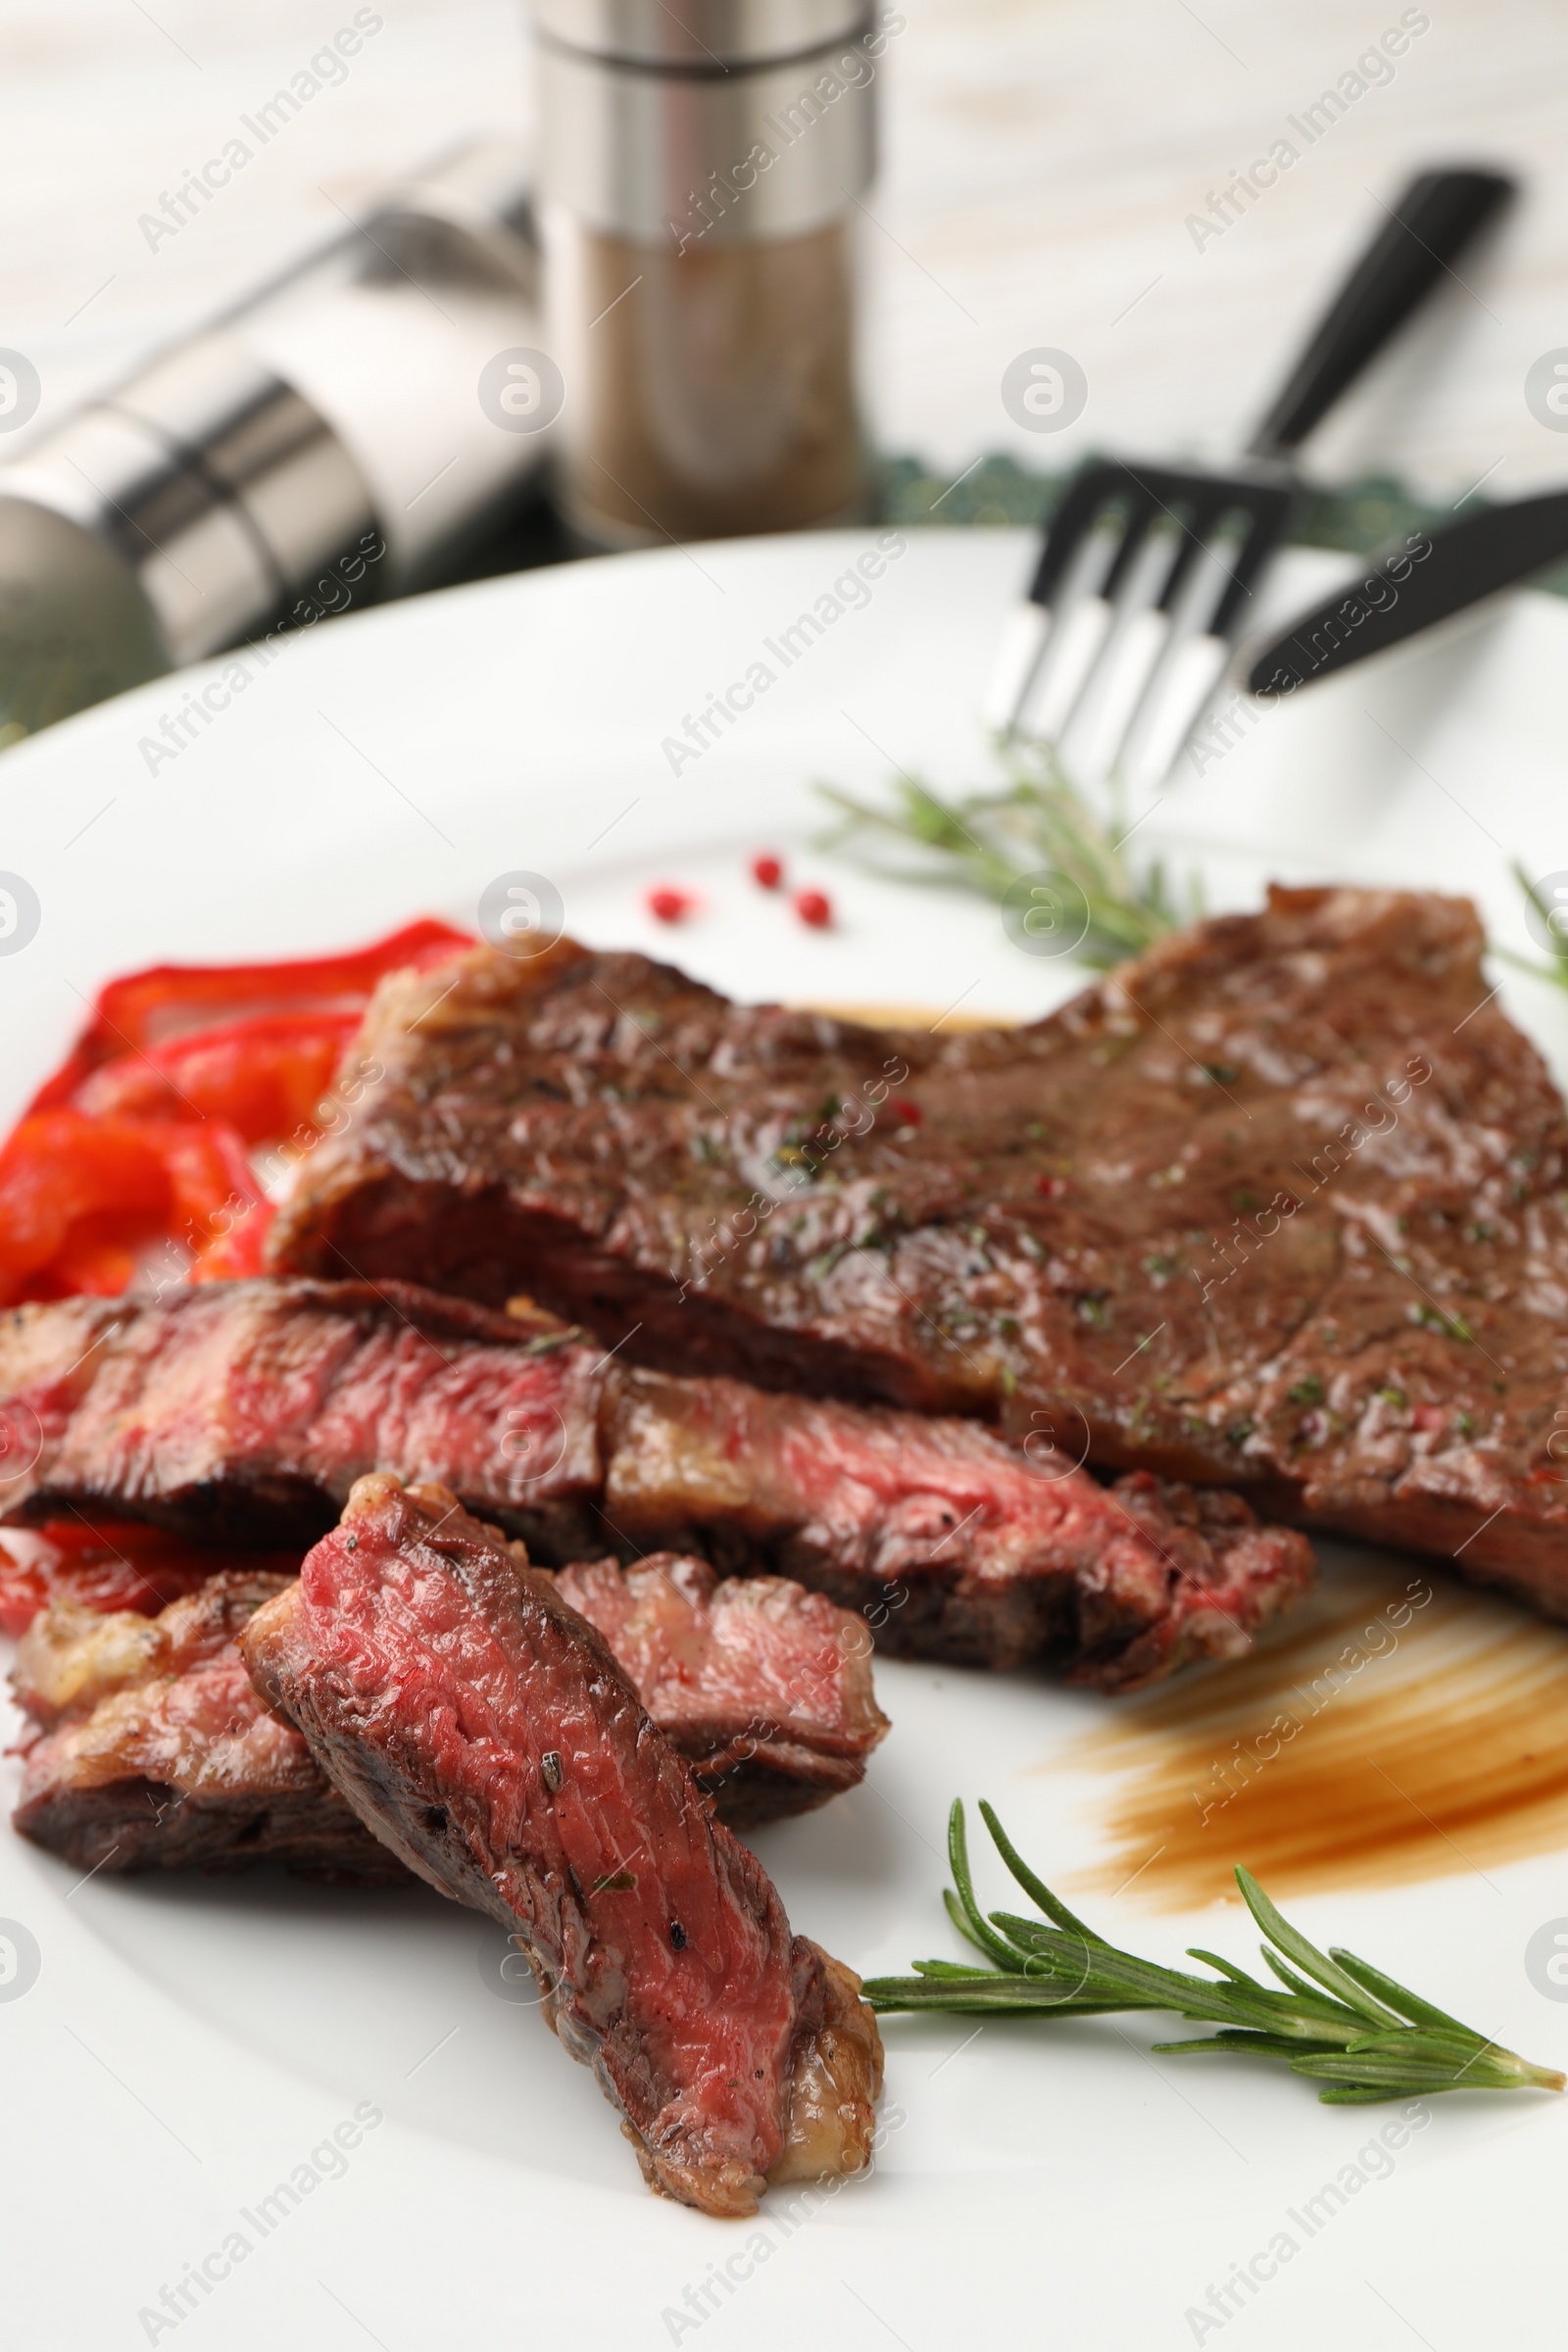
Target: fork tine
column 1129, row 647
column 1182, row 684
column 1256, row 548
column 1072, row 638
column 1117, row 652
column 1058, row 580
column 1197, row 581
column 1195, row 665
column 1207, row 603
column 1101, row 622
column 1139, row 641
column 1018, row 658
column 1093, row 490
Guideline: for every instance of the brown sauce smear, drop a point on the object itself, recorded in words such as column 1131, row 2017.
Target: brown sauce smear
column 1397, row 1727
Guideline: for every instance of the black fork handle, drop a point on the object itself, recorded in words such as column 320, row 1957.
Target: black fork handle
column 1428, row 228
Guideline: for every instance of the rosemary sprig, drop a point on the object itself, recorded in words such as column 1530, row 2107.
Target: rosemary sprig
column 1338, row 2019
column 1557, row 970
column 1037, row 825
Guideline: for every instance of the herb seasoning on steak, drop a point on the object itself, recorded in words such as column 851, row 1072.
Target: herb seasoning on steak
column 250, row 1408
column 486, row 1733
column 1281, row 1205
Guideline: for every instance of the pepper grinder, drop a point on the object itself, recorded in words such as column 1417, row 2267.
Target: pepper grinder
column 701, row 164
column 333, row 438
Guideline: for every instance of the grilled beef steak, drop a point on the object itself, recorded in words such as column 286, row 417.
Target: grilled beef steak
column 951, row 1544
column 241, row 1411
column 765, row 1689
column 249, row 1409
column 1282, row 1205
column 484, row 1731
column 161, row 1755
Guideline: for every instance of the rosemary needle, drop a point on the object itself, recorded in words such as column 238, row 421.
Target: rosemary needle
column 1551, row 919
column 1036, row 826
column 1337, row 2019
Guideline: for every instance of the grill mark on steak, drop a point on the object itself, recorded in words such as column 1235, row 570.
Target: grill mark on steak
column 1281, row 1204
column 432, row 1673
column 250, row 1408
column 159, row 1754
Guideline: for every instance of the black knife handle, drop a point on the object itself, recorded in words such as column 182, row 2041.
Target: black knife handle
column 1410, row 588
column 1425, row 232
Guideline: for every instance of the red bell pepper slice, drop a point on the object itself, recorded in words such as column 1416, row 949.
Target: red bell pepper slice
column 84, row 1200
column 143, row 1136
column 145, row 1009
column 264, row 1077
column 108, row 1565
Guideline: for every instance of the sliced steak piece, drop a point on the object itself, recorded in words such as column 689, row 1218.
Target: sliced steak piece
column 949, row 1544
column 162, row 1756
column 251, row 1408
column 1281, row 1204
column 765, row 1689
column 484, row 1731
column 244, row 1411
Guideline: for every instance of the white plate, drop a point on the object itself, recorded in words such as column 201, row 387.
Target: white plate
column 187, row 2044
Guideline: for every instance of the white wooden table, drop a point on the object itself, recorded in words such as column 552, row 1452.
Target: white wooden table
column 1045, row 159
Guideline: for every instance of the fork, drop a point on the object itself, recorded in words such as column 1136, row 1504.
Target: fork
column 1147, row 573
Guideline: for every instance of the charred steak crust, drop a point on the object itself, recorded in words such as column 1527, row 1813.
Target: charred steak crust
column 1280, row 1204
column 486, row 1733
column 253, row 1407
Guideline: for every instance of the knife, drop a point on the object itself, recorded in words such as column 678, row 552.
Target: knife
column 1409, row 588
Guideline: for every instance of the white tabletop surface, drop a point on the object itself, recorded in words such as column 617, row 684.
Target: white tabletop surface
column 1043, row 160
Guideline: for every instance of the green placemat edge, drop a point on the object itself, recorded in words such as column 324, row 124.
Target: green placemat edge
column 1358, row 517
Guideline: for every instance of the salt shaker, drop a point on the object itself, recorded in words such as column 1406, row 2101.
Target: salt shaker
column 701, row 165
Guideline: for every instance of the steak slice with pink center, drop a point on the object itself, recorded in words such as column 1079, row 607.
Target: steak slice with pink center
column 765, row 1689
column 158, row 1753
column 246, row 1410
column 485, row 1732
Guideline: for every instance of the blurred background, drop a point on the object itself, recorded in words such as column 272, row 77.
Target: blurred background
column 1051, row 174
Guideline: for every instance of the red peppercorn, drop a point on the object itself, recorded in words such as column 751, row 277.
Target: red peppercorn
column 1050, row 1186
column 670, row 904
column 814, row 906
column 767, row 870
column 902, row 1108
